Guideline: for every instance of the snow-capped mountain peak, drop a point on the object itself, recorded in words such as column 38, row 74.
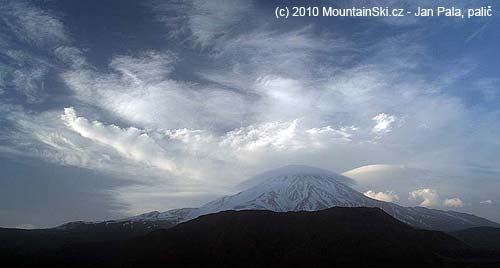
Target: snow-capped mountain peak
column 301, row 188
column 285, row 191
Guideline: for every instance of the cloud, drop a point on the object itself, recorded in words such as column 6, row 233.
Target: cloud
column 30, row 82
column 255, row 113
column 486, row 202
column 428, row 197
column 383, row 123
column 33, row 25
column 453, row 202
column 71, row 56
column 489, row 88
column 28, row 35
column 174, row 150
column 26, row 226
column 203, row 20
column 387, row 196
column 447, row 183
column 46, row 137
column 243, row 99
column 276, row 86
column 25, row 73
column 132, row 143
column 256, row 59
column 287, row 136
column 148, row 67
column 172, row 156
column 139, row 91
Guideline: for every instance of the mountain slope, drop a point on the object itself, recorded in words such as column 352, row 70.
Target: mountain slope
column 335, row 237
column 480, row 237
column 364, row 237
column 292, row 192
column 311, row 189
column 18, row 241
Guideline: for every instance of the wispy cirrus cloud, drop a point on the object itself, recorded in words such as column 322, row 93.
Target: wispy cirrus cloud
column 33, row 25
column 139, row 91
column 28, row 33
column 204, row 21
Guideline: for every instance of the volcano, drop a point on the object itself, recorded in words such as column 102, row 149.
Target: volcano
column 303, row 188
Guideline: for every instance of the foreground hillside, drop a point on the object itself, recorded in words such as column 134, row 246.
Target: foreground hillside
column 336, row 237
column 480, row 237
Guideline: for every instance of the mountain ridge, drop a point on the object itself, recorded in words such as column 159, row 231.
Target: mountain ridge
column 339, row 236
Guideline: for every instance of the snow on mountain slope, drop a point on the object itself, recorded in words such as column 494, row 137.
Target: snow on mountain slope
column 296, row 188
column 174, row 215
column 292, row 192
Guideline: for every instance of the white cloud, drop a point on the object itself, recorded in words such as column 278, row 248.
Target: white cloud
column 242, row 117
column 25, row 226
column 25, row 72
column 28, row 33
column 453, row 202
column 259, row 56
column 30, row 82
column 263, row 97
column 383, row 123
column 486, row 202
column 204, row 20
column 46, row 136
column 132, row 143
column 430, row 198
column 188, row 153
column 426, row 197
column 387, row 196
column 149, row 67
column 33, row 25
column 71, row 56
column 139, row 92
column 150, row 146
column 288, row 136
column 270, row 86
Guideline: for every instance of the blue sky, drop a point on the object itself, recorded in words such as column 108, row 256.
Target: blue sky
column 119, row 107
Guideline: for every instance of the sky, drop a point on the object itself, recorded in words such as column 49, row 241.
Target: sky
column 114, row 108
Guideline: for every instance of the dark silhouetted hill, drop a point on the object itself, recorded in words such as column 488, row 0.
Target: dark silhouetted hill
column 480, row 237
column 335, row 237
